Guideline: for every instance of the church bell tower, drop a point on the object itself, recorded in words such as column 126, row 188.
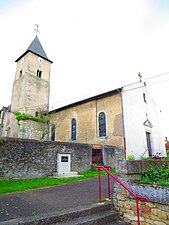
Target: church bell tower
column 31, row 85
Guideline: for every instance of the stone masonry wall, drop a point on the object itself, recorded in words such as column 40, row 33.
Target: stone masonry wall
column 30, row 129
column 21, row 158
column 111, row 155
column 155, row 212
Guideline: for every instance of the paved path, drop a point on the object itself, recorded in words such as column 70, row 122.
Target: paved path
column 51, row 199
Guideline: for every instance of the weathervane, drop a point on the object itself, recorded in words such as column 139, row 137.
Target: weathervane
column 37, row 31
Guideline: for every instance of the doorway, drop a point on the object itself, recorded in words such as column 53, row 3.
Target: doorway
column 97, row 156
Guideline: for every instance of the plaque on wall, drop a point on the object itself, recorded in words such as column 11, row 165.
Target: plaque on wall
column 64, row 159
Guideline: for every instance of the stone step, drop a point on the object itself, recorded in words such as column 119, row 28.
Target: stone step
column 118, row 222
column 94, row 219
column 63, row 175
column 96, row 214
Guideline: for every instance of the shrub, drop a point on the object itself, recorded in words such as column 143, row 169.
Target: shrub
column 146, row 158
column 130, row 157
column 17, row 113
column 20, row 116
column 157, row 176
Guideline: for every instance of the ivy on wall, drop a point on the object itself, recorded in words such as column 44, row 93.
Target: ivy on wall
column 19, row 116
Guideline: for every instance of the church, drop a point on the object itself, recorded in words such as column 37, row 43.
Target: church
column 126, row 117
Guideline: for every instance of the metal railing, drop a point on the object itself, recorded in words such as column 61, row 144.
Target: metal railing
column 109, row 174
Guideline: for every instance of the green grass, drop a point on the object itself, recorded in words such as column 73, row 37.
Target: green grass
column 7, row 186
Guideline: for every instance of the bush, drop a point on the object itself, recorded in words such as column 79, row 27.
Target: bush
column 20, row 116
column 130, row 157
column 17, row 113
column 157, row 176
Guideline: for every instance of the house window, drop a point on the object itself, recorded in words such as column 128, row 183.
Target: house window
column 73, row 129
column 102, row 124
column 39, row 73
column 53, row 133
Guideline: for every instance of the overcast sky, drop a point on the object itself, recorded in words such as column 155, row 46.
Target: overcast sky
column 95, row 46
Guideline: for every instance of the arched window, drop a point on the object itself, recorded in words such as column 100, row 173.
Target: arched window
column 73, row 129
column 20, row 73
column 39, row 73
column 102, row 124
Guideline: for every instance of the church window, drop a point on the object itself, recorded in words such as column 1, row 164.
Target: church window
column 39, row 73
column 73, row 129
column 102, row 124
column 20, row 73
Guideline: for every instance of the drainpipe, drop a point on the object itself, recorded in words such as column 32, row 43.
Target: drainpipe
column 124, row 135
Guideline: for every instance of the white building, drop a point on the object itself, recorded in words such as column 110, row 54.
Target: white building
column 141, row 118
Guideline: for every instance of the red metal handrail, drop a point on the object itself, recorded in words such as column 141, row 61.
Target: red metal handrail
column 137, row 197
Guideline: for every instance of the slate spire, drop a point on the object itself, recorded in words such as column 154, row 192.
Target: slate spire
column 37, row 48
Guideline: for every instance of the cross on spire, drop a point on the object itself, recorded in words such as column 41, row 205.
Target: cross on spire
column 37, row 31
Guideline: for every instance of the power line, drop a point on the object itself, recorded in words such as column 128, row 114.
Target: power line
column 159, row 82
column 159, row 75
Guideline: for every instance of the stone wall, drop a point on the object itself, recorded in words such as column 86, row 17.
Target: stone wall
column 111, row 155
column 156, row 211
column 21, row 158
column 27, row 129
column 30, row 129
column 9, row 126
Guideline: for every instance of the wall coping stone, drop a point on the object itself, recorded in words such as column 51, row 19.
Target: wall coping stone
column 10, row 139
column 154, row 193
column 137, row 166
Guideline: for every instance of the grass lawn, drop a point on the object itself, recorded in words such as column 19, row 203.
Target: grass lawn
column 7, row 186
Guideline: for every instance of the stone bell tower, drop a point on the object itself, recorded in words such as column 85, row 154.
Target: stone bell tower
column 31, row 85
